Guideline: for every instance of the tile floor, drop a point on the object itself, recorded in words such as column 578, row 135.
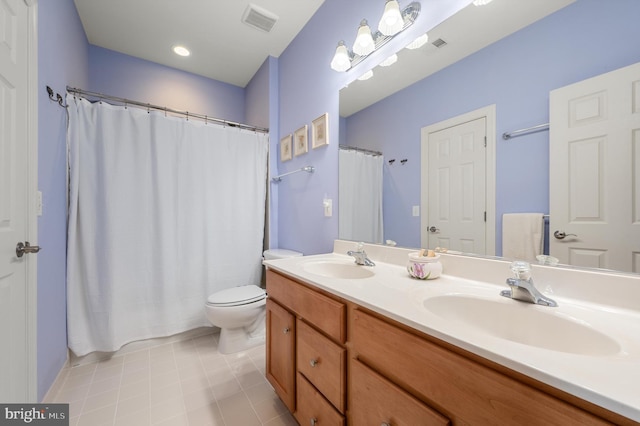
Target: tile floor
column 183, row 383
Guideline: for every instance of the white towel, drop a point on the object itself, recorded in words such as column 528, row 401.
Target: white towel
column 522, row 235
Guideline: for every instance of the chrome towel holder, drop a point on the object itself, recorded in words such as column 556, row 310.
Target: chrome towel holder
column 308, row 169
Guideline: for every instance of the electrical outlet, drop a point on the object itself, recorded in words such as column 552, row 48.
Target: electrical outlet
column 416, row 211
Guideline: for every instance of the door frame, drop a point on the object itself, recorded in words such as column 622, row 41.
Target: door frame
column 32, row 188
column 489, row 113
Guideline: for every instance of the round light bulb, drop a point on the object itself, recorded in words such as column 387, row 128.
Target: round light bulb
column 419, row 42
column 389, row 61
column 364, row 43
column 391, row 22
column 181, row 51
column 341, row 61
column 366, row 76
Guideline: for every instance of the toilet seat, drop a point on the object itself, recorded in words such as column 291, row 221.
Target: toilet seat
column 237, row 296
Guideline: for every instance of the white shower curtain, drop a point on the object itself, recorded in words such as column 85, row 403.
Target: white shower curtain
column 163, row 212
column 360, row 196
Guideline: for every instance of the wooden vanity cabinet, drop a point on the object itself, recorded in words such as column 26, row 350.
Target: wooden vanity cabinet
column 311, row 379
column 374, row 370
column 461, row 389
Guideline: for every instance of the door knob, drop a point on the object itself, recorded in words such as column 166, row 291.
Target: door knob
column 21, row 248
column 433, row 229
column 561, row 235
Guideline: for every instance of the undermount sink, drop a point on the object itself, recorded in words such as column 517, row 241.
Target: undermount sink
column 523, row 323
column 336, row 269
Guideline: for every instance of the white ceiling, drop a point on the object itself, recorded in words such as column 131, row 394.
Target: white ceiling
column 466, row 32
column 148, row 29
column 222, row 47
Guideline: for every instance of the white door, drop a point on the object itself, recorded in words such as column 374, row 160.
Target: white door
column 17, row 307
column 595, row 171
column 455, row 194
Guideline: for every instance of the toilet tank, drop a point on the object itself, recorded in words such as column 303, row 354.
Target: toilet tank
column 272, row 254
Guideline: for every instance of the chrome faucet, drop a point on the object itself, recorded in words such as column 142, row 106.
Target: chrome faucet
column 361, row 256
column 522, row 287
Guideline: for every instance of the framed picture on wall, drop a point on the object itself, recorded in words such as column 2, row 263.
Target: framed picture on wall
column 285, row 148
column 320, row 131
column 301, row 141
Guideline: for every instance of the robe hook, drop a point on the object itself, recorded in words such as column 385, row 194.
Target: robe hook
column 58, row 98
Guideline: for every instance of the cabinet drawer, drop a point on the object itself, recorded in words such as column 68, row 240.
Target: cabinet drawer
column 374, row 401
column 312, row 408
column 462, row 389
column 322, row 362
column 325, row 313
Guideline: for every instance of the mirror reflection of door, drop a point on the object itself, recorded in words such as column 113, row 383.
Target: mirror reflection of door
column 595, row 170
column 454, row 198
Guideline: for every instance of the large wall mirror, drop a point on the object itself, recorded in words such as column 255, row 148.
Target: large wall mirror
column 507, row 56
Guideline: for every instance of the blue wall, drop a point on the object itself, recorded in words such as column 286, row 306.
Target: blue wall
column 585, row 39
column 309, row 88
column 62, row 61
column 121, row 75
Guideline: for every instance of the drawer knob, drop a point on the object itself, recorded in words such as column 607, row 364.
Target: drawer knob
column 385, row 424
column 286, row 330
column 314, row 421
column 314, row 362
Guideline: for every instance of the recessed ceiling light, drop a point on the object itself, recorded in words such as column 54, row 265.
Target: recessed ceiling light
column 181, row 51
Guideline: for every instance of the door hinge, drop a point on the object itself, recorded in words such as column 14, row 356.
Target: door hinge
column 485, row 141
column 485, row 216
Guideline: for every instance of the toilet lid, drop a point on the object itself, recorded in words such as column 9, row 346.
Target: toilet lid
column 237, row 296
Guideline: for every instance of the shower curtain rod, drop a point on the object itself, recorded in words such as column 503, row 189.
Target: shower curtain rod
column 355, row 148
column 187, row 114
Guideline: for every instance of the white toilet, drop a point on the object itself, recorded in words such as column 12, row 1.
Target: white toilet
column 240, row 311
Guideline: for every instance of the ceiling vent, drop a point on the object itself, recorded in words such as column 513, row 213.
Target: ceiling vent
column 259, row 18
column 439, row 43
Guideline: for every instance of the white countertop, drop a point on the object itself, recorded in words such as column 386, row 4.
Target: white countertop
column 610, row 381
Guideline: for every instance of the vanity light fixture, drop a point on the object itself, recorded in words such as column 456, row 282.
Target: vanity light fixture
column 366, row 76
column 367, row 42
column 391, row 22
column 418, row 42
column 481, row 2
column 389, row 61
column 342, row 59
column 364, row 43
column 181, row 51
